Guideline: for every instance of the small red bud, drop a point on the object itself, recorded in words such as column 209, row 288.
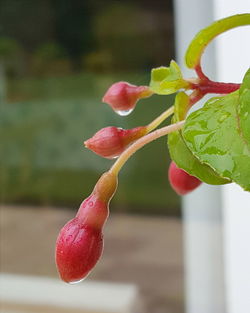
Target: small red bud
column 123, row 96
column 80, row 242
column 110, row 142
column 181, row 181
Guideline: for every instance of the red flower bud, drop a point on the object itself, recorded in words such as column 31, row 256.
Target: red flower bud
column 122, row 96
column 80, row 242
column 78, row 248
column 111, row 141
column 181, row 181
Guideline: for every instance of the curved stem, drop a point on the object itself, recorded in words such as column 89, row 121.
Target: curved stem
column 156, row 122
column 199, row 72
column 115, row 169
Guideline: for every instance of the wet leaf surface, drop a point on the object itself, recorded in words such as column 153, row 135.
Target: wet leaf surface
column 219, row 134
column 181, row 154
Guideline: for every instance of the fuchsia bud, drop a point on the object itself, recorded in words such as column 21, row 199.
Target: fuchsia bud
column 123, row 96
column 78, row 248
column 80, row 242
column 110, row 142
column 181, row 181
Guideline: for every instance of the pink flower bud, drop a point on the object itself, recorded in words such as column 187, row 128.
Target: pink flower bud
column 181, row 181
column 123, row 96
column 111, row 141
column 78, row 248
column 80, row 242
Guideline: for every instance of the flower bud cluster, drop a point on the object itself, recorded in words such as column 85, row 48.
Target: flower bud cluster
column 80, row 242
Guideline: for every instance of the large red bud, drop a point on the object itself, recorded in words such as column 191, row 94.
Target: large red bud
column 80, row 242
column 78, row 248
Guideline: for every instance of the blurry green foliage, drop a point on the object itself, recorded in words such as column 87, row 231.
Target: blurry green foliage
column 8, row 47
column 50, row 59
column 62, row 56
column 44, row 158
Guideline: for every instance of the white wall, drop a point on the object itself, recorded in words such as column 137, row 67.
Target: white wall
column 233, row 59
column 202, row 213
column 216, row 219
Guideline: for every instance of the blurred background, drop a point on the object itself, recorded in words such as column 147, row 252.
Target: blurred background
column 57, row 59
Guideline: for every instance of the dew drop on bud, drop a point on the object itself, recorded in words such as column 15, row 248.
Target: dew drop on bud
column 124, row 112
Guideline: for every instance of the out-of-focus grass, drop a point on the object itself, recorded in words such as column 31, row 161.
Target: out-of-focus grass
column 44, row 124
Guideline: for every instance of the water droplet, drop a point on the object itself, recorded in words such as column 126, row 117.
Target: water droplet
column 124, row 112
column 76, row 281
column 114, row 157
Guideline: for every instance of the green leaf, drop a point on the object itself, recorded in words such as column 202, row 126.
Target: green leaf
column 218, row 134
column 243, row 107
column 202, row 39
column 180, row 153
column 167, row 80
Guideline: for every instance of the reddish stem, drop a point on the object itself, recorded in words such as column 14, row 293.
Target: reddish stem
column 205, row 85
column 195, row 96
column 217, row 87
column 208, row 86
column 200, row 73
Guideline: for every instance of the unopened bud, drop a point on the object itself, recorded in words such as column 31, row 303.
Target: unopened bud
column 80, row 242
column 123, row 96
column 110, row 142
column 78, row 248
column 181, row 181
